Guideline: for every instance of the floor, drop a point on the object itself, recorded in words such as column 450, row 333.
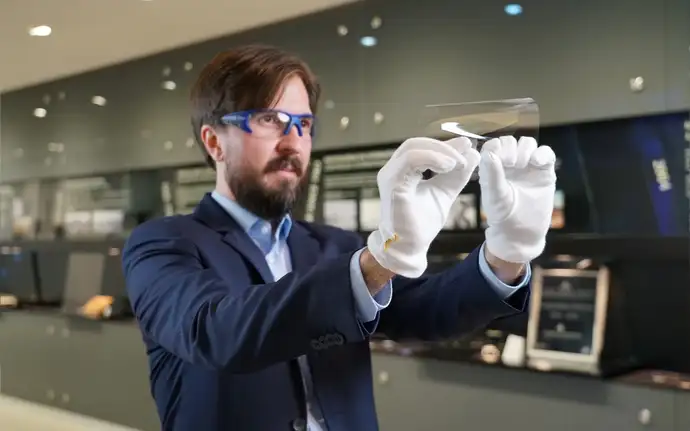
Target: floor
column 18, row 415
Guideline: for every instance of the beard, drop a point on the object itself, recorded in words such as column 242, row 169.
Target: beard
column 268, row 203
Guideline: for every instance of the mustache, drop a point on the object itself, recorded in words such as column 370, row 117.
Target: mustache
column 293, row 162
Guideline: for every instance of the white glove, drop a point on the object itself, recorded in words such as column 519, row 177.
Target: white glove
column 518, row 182
column 413, row 210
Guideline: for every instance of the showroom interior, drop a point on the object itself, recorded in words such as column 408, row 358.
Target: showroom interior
column 95, row 139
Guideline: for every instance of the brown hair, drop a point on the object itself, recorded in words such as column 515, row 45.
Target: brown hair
column 247, row 77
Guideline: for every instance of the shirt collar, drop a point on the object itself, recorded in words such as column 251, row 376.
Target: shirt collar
column 257, row 228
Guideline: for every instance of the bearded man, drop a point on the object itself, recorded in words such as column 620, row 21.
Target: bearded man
column 256, row 321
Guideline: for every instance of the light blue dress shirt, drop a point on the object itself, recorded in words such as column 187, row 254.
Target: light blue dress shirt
column 274, row 246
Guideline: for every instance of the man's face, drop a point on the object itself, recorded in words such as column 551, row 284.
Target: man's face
column 264, row 173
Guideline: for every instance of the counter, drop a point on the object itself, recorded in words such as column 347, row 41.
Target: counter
column 99, row 369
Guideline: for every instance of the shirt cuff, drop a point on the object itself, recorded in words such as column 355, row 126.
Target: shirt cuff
column 368, row 306
column 504, row 290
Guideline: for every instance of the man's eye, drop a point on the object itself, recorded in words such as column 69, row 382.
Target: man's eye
column 269, row 119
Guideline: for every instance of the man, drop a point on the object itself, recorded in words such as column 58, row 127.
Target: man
column 256, row 321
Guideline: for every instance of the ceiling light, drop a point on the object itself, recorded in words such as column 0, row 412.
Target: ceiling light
column 40, row 31
column 40, row 112
column 169, row 85
column 375, row 22
column 342, row 30
column 513, row 9
column 368, row 41
column 99, row 100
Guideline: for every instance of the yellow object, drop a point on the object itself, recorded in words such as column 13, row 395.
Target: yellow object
column 390, row 241
column 95, row 307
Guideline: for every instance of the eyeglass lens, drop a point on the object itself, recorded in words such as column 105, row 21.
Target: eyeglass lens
column 276, row 123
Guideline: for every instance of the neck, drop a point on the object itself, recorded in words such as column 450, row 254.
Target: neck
column 275, row 223
column 223, row 189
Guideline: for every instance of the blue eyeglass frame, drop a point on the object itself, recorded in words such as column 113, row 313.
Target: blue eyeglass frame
column 241, row 119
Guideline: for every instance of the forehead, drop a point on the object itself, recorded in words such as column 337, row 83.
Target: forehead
column 293, row 97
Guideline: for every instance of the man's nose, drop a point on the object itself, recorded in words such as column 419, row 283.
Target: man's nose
column 295, row 130
column 291, row 140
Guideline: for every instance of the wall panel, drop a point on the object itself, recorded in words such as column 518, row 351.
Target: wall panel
column 575, row 58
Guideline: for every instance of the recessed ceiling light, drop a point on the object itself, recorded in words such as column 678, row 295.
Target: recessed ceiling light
column 513, row 9
column 368, row 41
column 169, row 85
column 40, row 31
column 376, row 22
column 99, row 100
column 40, row 112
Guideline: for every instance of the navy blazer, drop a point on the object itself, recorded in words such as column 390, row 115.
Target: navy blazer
column 222, row 338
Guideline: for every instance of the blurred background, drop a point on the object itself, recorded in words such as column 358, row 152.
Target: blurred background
column 95, row 138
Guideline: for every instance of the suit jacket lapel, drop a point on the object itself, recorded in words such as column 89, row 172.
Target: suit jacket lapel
column 214, row 216
column 247, row 248
column 304, row 248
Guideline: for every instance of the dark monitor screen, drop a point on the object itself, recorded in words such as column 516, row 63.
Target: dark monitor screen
column 18, row 275
column 52, row 271
column 4, row 274
column 84, row 279
column 572, row 183
column 623, row 176
column 113, row 276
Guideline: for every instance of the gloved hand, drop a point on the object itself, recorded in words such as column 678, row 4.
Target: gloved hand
column 518, row 182
column 413, row 210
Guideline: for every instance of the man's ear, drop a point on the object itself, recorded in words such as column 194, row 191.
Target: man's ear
column 209, row 137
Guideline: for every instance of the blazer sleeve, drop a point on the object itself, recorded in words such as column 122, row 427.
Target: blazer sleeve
column 204, row 319
column 451, row 303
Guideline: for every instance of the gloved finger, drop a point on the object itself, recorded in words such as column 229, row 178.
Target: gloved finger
column 492, row 145
column 492, row 175
column 525, row 147
column 427, row 144
column 508, row 151
column 543, row 157
column 461, row 144
column 409, row 166
column 473, row 157
column 454, row 181
column 504, row 147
